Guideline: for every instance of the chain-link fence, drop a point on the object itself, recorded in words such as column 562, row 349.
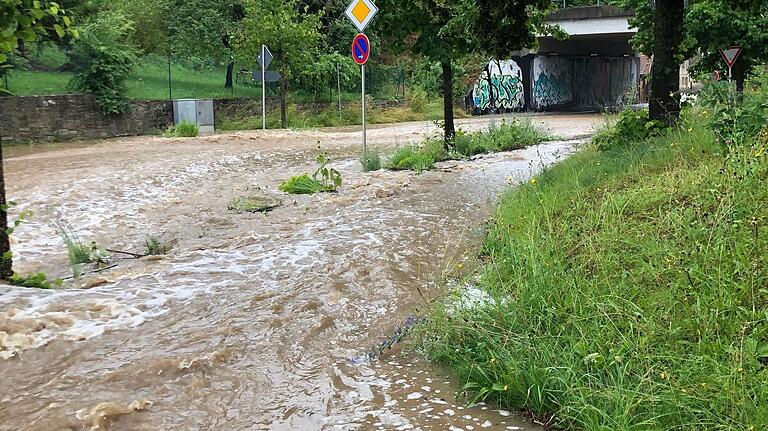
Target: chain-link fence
column 155, row 77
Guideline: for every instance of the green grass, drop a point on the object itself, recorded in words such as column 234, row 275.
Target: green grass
column 149, row 81
column 503, row 137
column 629, row 291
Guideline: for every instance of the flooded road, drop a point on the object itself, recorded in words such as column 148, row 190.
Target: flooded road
column 252, row 321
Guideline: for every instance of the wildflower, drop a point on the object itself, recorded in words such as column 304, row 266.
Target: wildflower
column 759, row 153
column 506, row 387
column 493, row 360
column 533, row 181
column 664, row 375
column 690, row 129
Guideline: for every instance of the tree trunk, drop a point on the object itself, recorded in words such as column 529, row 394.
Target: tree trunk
column 450, row 128
column 228, row 81
column 283, row 84
column 664, row 100
column 6, row 259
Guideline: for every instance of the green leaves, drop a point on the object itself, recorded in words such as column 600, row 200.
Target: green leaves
column 28, row 21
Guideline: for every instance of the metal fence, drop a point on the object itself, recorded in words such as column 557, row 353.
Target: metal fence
column 157, row 77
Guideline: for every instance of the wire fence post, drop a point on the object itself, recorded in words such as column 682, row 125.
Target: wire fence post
column 338, row 86
column 170, row 90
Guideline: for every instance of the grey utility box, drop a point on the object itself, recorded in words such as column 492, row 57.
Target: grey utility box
column 196, row 111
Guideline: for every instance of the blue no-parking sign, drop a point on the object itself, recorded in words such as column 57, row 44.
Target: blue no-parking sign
column 361, row 49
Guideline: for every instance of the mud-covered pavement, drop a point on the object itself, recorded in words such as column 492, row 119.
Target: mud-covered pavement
column 252, row 321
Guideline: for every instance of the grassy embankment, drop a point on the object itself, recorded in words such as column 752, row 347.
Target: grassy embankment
column 150, row 81
column 628, row 290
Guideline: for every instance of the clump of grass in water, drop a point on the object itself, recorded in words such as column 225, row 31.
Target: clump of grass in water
column 78, row 252
column 371, row 161
column 39, row 281
column 631, row 287
column 325, row 179
column 154, row 246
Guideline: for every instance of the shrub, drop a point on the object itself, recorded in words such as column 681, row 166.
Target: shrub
column 39, row 280
column 631, row 127
column 182, row 130
column 371, row 161
column 104, row 58
column 419, row 100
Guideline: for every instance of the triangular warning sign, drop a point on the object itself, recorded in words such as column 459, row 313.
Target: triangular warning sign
column 730, row 55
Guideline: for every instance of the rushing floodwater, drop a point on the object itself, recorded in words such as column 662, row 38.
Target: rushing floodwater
column 252, row 321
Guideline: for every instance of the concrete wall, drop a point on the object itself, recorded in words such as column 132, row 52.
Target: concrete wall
column 78, row 116
column 551, row 83
column 499, row 88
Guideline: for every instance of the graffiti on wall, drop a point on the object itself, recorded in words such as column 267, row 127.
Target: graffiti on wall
column 500, row 87
column 551, row 79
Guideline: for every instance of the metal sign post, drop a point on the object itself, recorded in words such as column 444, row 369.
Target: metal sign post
column 265, row 58
column 361, row 12
column 361, row 51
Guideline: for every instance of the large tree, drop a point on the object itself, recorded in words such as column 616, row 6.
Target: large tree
column 23, row 21
column 435, row 29
column 291, row 33
column 715, row 24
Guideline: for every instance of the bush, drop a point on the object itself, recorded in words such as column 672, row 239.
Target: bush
column 631, row 127
column 371, row 161
column 39, row 281
column 182, row 130
column 104, row 58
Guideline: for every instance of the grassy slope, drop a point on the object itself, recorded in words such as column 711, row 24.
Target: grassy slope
column 632, row 292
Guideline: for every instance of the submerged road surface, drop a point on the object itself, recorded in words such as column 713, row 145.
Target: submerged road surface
column 252, row 321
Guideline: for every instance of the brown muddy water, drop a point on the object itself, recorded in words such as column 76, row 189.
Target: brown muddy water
column 252, row 321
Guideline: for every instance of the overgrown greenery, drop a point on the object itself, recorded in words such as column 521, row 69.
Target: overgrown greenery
column 626, row 289
column 325, row 179
column 184, row 129
column 103, row 61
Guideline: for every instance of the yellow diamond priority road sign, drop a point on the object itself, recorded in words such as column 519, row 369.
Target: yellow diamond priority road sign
column 361, row 12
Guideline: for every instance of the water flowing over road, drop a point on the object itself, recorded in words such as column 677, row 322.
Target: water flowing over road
column 252, row 321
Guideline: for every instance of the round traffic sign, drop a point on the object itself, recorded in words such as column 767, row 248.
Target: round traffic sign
column 361, row 49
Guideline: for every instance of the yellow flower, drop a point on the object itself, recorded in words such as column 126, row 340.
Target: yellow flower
column 759, row 153
column 664, row 375
column 533, row 181
column 690, row 129
column 493, row 360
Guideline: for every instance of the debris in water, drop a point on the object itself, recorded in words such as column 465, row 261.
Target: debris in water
column 100, row 416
